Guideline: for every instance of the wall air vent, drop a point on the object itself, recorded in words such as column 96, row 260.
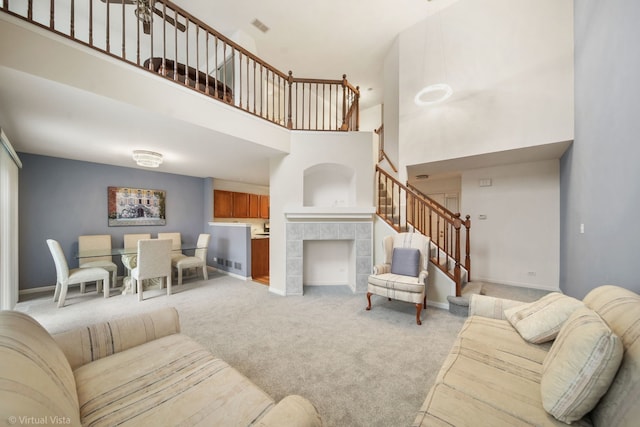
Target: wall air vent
column 260, row 25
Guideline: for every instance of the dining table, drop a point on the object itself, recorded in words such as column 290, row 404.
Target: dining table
column 129, row 257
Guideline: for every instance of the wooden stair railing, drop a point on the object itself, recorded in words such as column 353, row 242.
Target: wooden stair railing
column 181, row 48
column 404, row 208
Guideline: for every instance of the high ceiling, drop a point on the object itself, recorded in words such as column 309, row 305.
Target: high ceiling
column 321, row 39
column 315, row 40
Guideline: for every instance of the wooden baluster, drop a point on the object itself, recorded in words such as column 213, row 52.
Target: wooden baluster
column 175, row 43
column 215, row 89
column 52, row 18
column 344, row 102
column 273, row 96
column 261, row 91
column 107, row 27
column 91, row 24
column 197, row 67
column 247, row 68
column 72, row 19
column 124, row 38
column 233, row 75
column 357, row 109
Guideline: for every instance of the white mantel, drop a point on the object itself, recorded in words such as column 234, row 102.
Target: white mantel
column 319, row 213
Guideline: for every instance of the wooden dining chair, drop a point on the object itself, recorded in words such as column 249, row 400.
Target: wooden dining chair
column 154, row 260
column 66, row 276
column 97, row 242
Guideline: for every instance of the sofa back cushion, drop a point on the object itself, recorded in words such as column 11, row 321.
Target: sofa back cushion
column 580, row 366
column 36, row 381
column 620, row 308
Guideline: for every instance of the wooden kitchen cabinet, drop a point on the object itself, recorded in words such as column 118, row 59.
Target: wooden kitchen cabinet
column 260, row 260
column 241, row 205
column 254, row 206
column 232, row 204
column 264, row 207
column 222, row 204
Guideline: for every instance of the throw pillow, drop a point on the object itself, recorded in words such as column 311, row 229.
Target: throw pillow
column 541, row 320
column 405, row 261
column 580, row 366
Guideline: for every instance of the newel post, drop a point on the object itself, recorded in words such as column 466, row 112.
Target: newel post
column 344, row 126
column 467, row 258
column 457, row 223
column 290, row 81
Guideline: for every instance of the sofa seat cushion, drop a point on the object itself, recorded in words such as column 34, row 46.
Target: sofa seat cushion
column 492, row 375
column 169, row 378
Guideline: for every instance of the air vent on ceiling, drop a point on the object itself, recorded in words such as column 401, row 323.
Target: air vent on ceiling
column 260, row 25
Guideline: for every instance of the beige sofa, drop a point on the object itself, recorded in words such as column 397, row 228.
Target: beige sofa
column 493, row 376
column 137, row 371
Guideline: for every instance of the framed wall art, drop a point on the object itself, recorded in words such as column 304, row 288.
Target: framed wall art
column 136, row 206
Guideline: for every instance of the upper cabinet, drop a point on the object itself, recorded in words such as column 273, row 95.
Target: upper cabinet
column 232, row 204
column 264, row 207
column 222, row 204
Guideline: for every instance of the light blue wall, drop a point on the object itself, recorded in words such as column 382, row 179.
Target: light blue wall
column 62, row 199
column 600, row 173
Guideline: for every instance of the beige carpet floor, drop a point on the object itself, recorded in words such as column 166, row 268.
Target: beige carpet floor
column 360, row 368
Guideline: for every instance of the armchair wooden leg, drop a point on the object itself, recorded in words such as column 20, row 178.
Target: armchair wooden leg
column 369, row 300
column 418, row 310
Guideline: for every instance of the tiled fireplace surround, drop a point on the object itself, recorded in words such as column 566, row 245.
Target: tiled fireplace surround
column 361, row 262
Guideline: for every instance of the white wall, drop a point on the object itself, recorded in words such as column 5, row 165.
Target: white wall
column 352, row 149
column 518, row 242
column 510, row 63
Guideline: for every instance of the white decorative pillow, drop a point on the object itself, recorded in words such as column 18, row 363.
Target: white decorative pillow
column 541, row 320
column 580, row 366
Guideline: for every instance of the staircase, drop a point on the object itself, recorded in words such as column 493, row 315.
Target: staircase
column 406, row 209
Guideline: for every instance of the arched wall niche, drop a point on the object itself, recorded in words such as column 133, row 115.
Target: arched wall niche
column 329, row 185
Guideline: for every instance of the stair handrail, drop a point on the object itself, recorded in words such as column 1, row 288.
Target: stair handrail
column 254, row 86
column 382, row 154
column 420, row 212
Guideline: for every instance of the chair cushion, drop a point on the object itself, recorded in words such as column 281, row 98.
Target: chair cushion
column 541, row 320
column 405, row 261
column 580, row 366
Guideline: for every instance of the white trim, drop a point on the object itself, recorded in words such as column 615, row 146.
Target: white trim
column 280, row 292
column 516, row 284
column 237, row 276
column 14, row 156
column 37, row 290
column 230, row 224
column 442, row 305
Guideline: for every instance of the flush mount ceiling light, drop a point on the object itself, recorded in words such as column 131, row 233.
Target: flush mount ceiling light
column 433, row 94
column 147, row 159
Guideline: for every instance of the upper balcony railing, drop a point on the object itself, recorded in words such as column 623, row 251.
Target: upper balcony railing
column 163, row 38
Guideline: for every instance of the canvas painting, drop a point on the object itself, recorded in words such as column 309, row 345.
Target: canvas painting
column 136, row 206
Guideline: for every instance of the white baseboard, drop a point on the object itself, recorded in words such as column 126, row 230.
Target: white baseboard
column 48, row 288
column 237, row 276
column 443, row 305
column 278, row 291
column 517, row 284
